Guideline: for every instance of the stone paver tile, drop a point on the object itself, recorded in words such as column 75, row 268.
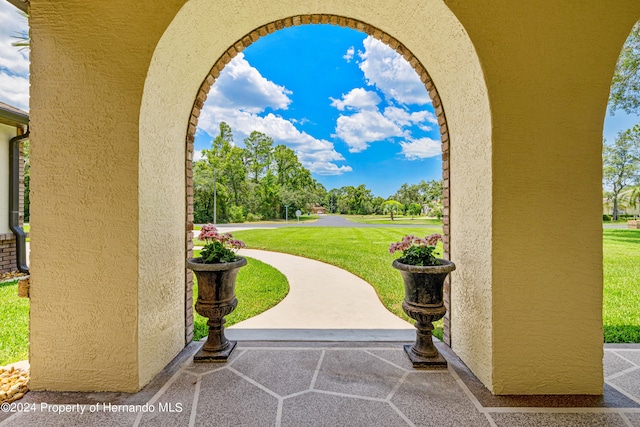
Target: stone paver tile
column 634, row 419
column 397, row 357
column 632, row 355
column 173, row 407
column 358, row 373
column 47, row 419
column 429, row 399
column 206, row 367
column 614, row 363
column 282, row 371
column 317, row 409
column 228, row 400
column 555, row 420
column 629, row 382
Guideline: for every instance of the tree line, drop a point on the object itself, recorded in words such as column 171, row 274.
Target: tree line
column 259, row 182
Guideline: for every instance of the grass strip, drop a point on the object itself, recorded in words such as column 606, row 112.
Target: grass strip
column 621, row 305
column 14, row 318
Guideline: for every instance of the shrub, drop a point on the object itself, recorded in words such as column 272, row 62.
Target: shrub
column 606, row 217
column 251, row 217
column 236, row 214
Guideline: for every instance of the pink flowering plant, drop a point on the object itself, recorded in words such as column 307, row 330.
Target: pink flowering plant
column 218, row 247
column 417, row 250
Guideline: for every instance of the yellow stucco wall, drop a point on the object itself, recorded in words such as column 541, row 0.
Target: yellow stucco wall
column 88, row 65
column 6, row 133
column 524, row 89
column 548, row 67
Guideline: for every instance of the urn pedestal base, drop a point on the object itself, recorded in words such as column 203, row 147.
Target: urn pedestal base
column 435, row 362
column 203, row 355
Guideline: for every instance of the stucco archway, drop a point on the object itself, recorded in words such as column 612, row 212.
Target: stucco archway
column 189, row 47
column 110, row 97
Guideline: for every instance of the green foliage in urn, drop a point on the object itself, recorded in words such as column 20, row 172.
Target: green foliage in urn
column 219, row 247
column 417, row 250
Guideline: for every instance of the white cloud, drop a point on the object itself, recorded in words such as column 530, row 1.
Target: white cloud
column 421, row 148
column 391, row 73
column 404, row 118
column 315, row 154
column 358, row 98
column 14, row 90
column 241, row 86
column 14, row 63
column 322, row 168
column 241, row 94
column 197, row 155
column 349, row 55
column 360, row 129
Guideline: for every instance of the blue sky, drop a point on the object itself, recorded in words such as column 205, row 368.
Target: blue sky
column 351, row 108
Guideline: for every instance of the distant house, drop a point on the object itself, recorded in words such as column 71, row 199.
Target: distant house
column 319, row 210
column 625, row 204
column 13, row 125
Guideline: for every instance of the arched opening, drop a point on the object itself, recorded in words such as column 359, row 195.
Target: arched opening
column 621, row 197
column 442, row 46
column 263, row 31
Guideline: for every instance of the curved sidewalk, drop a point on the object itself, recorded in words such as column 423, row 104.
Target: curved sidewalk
column 325, row 303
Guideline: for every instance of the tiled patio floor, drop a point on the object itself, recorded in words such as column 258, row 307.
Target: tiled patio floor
column 335, row 384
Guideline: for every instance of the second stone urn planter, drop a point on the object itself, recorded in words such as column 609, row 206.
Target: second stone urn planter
column 424, row 302
column 216, row 299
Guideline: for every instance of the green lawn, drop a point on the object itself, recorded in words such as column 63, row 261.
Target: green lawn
column 362, row 251
column 261, row 287
column 14, row 318
column 621, row 307
column 258, row 288
column 397, row 220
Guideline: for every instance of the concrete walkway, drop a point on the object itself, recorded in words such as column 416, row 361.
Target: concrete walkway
column 325, row 303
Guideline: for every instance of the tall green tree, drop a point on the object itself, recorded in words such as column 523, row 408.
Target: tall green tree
column 621, row 164
column 258, row 154
column 424, row 193
column 625, row 86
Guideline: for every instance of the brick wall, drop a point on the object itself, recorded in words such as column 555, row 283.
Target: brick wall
column 250, row 38
column 7, row 252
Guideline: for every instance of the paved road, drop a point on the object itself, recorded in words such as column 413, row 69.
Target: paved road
column 615, row 226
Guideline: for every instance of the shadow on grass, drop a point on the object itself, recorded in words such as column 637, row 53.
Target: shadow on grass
column 622, row 333
column 622, row 236
column 9, row 283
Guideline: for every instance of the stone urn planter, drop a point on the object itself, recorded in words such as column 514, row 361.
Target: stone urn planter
column 216, row 299
column 424, row 302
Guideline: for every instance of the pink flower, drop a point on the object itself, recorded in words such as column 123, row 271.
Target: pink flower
column 209, row 233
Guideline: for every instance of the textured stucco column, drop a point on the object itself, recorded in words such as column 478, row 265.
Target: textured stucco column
column 106, row 259
column 548, row 67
